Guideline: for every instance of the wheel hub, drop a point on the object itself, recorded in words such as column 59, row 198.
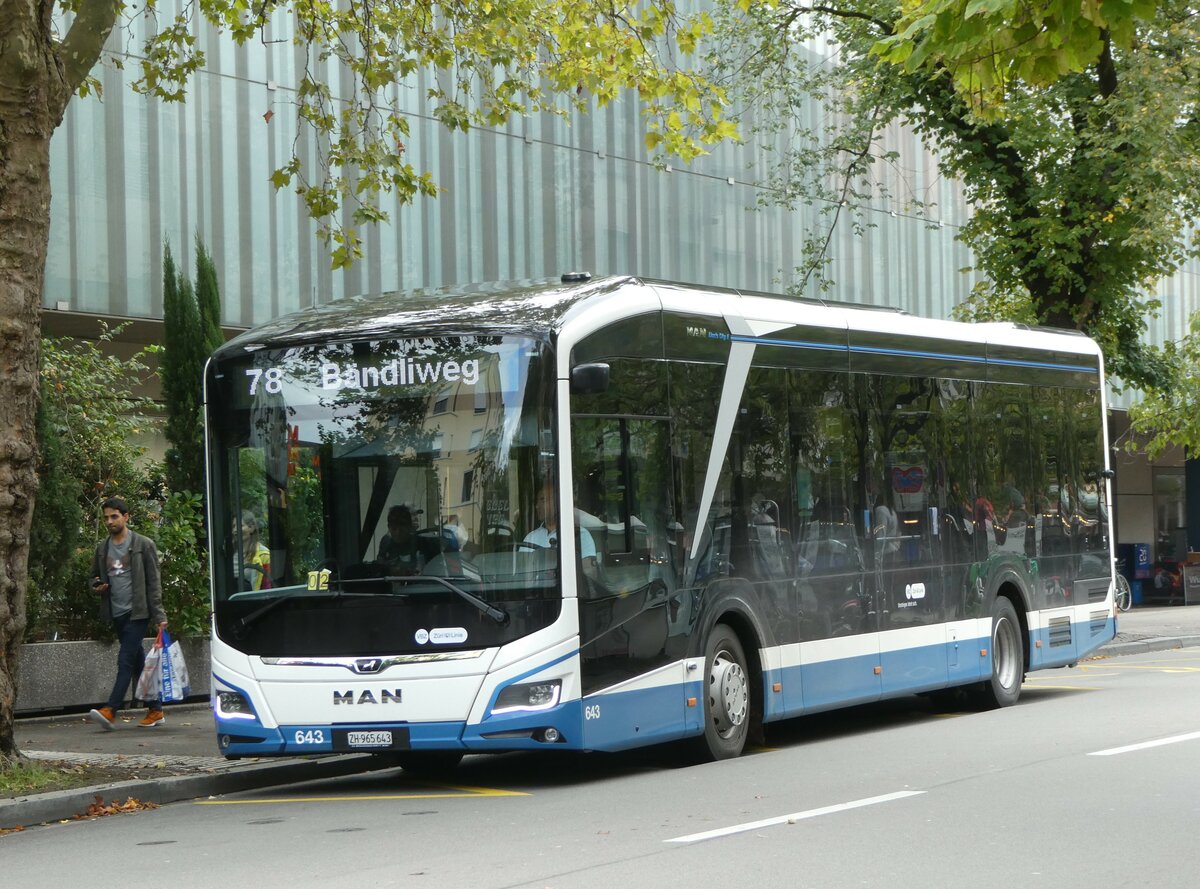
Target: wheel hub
column 729, row 694
column 1004, row 653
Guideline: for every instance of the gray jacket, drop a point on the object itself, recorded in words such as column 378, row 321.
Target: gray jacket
column 147, row 588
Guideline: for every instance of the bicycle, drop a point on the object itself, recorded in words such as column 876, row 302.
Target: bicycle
column 1122, row 594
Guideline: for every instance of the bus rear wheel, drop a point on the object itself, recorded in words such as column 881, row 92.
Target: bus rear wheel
column 727, row 700
column 1008, row 659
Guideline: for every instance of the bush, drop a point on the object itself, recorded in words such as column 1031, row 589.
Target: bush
column 178, row 529
column 87, row 420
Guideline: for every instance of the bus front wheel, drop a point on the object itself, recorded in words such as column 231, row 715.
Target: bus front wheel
column 727, row 705
column 1008, row 658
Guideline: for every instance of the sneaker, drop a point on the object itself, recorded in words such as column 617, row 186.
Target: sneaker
column 152, row 718
column 105, row 717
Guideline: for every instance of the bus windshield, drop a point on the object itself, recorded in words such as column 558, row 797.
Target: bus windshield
column 372, row 498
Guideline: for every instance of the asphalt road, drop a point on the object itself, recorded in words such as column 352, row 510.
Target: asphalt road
column 1089, row 782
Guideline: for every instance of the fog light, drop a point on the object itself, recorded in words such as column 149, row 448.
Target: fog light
column 527, row 696
column 550, row 735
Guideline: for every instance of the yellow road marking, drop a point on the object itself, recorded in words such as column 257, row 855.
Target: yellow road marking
column 455, row 793
column 1039, row 687
column 1158, row 668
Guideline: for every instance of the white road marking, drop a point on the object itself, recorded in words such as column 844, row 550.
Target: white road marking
column 795, row 816
column 1113, row 751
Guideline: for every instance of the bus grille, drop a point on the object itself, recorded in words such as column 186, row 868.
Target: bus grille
column 1099, row 622
column 1060, row 631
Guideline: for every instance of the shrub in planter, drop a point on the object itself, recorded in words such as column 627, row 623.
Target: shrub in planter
column 177, row 527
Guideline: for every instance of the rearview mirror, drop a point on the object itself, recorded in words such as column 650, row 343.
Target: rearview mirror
column 589, row 379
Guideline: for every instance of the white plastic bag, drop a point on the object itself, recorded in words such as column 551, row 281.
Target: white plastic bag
column 175, row 683
column 150, row 681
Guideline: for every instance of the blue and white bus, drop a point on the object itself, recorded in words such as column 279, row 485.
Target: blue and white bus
column 769, row 506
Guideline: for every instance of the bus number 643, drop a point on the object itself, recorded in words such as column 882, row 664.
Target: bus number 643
column 591, row 711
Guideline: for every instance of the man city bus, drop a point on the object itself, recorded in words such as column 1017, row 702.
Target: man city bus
column 598, row 514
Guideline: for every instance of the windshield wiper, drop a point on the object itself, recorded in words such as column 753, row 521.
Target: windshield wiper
column 499, row 615
column 240, row 626
column 335, row 590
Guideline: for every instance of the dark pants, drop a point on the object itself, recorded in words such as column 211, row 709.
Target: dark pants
column 130, row 659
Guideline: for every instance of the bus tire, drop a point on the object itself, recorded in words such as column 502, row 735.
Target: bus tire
column 726, row 696
column 1008, row 659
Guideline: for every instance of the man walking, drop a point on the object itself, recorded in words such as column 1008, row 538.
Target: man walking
column 125, row 574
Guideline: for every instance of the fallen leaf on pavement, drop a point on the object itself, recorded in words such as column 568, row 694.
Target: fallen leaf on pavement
column 100, row 807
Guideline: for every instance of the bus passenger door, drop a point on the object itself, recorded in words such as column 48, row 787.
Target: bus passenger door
column 838, row 649
column 903, row 496
column 627, row 604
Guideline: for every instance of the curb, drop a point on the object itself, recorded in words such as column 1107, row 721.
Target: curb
column 1153, row 643
column 66, row 804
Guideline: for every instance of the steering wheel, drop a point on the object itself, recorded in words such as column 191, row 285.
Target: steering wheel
column 522, row 546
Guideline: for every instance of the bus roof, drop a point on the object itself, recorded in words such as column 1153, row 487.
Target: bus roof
column 541, row 308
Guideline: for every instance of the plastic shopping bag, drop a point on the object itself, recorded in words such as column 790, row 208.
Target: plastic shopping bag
column 175, row 684
column 151, row 679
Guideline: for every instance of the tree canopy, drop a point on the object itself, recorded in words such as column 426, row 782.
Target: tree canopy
column 1082, row 186
column 991, row 46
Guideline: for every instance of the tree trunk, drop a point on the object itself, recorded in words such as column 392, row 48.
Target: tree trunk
column 38, row 75
column 24, row 234
column 31, row 106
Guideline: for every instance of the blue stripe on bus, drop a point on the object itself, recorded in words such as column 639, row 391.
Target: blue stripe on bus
column 910, row 353
column 789, row 344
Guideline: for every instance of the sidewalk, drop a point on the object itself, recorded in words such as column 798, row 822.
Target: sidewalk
column 174, row 761
column 184, row 751
column 1155, row 628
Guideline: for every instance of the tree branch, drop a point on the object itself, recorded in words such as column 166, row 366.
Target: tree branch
column 885, row 28
column 81, row 49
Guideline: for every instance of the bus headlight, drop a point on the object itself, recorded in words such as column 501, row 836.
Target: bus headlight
column 233, row 705
column 526, row 697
